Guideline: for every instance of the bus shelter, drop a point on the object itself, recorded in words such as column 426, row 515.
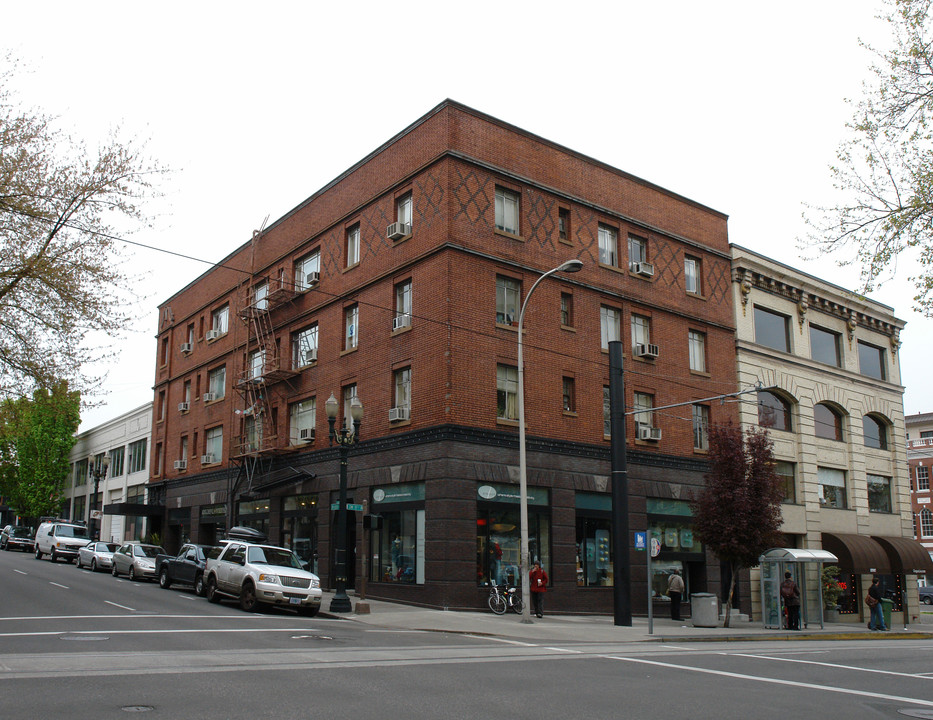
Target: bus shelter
column 777, row 561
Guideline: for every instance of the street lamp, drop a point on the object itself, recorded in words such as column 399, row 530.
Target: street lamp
column 345, row 437
column 571, row 266
column 97, row 473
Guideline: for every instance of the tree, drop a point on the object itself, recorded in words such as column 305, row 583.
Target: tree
column 36, row 437
column 60, row 275
column 738, row 513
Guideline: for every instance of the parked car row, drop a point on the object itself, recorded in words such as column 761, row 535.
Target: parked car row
column 17, row 537
column 243, row 568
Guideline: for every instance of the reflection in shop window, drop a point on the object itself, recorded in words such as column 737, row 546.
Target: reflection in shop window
column 594, row 557
column 498, row 543
column 299, row 528
column 395, row 547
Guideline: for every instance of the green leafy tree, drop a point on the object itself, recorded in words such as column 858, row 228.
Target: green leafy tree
column 738, row 513
column 884, row 169
column 60, row 269
column 36, row 437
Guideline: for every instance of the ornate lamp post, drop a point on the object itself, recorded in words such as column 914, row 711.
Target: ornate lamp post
column 571, row 266
column 345, row 438
column 97, row 474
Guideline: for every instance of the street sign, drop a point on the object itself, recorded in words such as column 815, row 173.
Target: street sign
column 335, row 506
column 655, row 547
column 96, row 514
column 640, row 540
column 354, row 506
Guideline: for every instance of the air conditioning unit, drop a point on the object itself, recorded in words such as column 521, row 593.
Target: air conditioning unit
column 186, row 347
column 212, row 335
column 209, row 397
column 207, row 459
column 182, row 407
column 398, row 230
column 306, row 435
column 309, row 356
column 181, row 464
column 646, row 351
column 643, row 268
column 312, row 279
column 646, row 432
column 402, row 321
column 397, row 414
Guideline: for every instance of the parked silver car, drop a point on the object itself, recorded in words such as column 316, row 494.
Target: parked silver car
column 135, row 559
column 97, row 555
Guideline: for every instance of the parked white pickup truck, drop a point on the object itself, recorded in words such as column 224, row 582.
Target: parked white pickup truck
column 256, row 574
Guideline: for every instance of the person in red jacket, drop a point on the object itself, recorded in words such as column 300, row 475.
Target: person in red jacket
column 538, row 579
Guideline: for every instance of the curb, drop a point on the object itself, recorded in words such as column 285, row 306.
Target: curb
column 809, row 636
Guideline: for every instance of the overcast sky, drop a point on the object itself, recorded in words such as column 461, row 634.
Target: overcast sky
column 739, row 106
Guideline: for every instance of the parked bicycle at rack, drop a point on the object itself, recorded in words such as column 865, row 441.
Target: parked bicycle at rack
column 503, row 597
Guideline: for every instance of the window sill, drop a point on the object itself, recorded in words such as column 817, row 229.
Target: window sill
column 570, row 413
column 701, row 451
column 698, row 296
column 614, row 268
column 400, row 240
column 507, row 422
column 639, row 276
column 350, row 267
column 511, row 236
column 214, row 402
column 351, row 350
column 301, row 368
column 400, row 331
column 399, row 423
column 565, row 241
column 213, row 340
column 568, row 328
column 507, row 326
column 701, row 373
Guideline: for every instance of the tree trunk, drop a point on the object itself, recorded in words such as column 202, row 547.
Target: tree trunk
column 728, row 608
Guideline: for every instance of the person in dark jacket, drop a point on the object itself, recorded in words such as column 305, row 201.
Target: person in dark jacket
column 538, row 579
column 675, row 591
column 790, row 594
column 877, row 617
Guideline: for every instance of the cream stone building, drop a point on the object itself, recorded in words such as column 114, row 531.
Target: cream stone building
column 826, row 362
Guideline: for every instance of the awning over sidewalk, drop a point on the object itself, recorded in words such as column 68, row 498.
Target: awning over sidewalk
column 857, row 553
column 907, row 556
column 137, row 509
column 798, row 555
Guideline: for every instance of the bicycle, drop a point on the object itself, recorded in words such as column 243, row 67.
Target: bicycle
column 502, row 598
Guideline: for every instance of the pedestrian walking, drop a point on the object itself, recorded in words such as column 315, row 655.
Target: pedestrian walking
column 538, row 579
column 790, row 594
column 675, row 591
column 873, row 601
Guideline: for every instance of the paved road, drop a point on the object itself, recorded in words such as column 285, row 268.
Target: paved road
column 76, row 645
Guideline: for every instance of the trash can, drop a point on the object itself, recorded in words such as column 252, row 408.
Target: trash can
column 704, row 610
column 886, row 606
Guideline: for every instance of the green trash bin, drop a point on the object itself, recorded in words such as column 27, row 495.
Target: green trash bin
column 886, row 606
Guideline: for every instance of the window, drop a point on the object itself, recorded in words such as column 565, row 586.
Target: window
column 300, row 417
column 786, row 472
column 161, row 405
column 220, row 318
column 871, row 361
column 255, row 364
column 641, row 331
column 874, row 433
column 773, row 411
column 403, row 209
column 137, row 461
column 508, row 299
column 566, row 309
column 609, row 325
column 498, row 538
column 832, row 487
column 923, row 477
column 507, row 211
column 186, row 391
column 594, row 540
column 696, row 342
column 214, row 443
column 692, row 269
column 700, row 427
column 353, row 245
column 563, row 225
column 771, row 329
column 81, row 470
column 569, row 401
column 827, row 423
column 395, row 547
column 217, row 382
column 506, row 392
column 607, row 412
column 637, row 251
column 164, row 356
column 190, row 334
column 824, row 346
column 261, row 296
column 183, row 449
column 304, row 347
column 879, row 493
column 401, row 388
column 116, row 462
column 608, row 245
column 926, row 523
column 351, row 320
column 642, row 406
column 349, row 392
column 304, row 267
column 402, row 304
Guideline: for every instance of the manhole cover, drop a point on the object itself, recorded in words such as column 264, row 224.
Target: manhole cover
column 927, row 714
column 84, row 638
column 137, row 708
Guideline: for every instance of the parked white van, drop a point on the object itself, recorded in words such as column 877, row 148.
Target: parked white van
column 60, row 539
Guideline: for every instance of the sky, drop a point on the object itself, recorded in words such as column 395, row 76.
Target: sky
column 254, row 107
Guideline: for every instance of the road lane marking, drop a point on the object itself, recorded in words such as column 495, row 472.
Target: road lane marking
column 829, row 665
column 20, row 572
column 176, row 631
column 65, row 587
column 796, row 684
column 122, row 607
column 237, row 616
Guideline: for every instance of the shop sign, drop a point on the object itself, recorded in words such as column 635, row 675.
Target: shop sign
column 510, row 494
column 398, row 494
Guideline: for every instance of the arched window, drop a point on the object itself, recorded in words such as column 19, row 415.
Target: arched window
column 874, row 432
column 827, row 423
column 926, row 523
column 773, row 411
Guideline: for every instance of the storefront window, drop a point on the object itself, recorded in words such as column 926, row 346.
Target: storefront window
column 594, row 540
column 661, row 572
column 212, row 523
column 397, row 548
column 671, row 523
column 299, row 528
column 254, row 514
column 498, row 533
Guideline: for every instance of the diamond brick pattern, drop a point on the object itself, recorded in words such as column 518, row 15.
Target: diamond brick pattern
column 429, row 198
column 471, row 195
column 542, row 222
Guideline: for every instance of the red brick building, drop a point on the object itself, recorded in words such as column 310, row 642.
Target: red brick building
column 400, row 283
column 920, row 460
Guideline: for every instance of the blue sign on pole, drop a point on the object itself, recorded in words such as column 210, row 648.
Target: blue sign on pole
column 641, row 540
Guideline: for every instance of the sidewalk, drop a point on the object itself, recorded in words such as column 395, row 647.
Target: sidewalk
column 600, row 628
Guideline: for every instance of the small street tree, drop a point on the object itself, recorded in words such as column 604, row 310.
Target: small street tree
column 36, row 436
column 738, row 513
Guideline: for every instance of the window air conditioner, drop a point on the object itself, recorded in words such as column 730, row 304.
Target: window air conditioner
column 211, row 335
column 397, row 414
column 181, row 464
column 398, row 230
column 309, row 356
column 644, row 268
column 209, row 397
column 306, row 435
column 182, row 407
column 646, row 432
column 646, row 351
column 402, row 321
column 207, row 459
column 186, row 347
column 312, row 279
